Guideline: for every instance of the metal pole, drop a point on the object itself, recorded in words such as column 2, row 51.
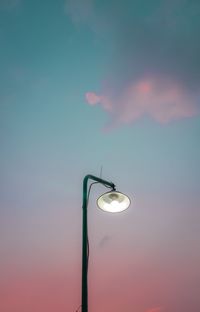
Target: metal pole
column 85, row 238
column 84, row 250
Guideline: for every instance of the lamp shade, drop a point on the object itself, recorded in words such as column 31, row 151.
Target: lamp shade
column 113, row 202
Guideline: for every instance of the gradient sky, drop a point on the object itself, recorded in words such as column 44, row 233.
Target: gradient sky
column 86, row 85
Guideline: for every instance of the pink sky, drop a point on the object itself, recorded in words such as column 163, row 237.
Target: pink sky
column 69, row 69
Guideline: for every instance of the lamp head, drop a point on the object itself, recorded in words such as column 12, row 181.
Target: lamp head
column 113, row 201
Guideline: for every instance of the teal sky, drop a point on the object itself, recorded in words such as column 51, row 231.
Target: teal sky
column 86, row 85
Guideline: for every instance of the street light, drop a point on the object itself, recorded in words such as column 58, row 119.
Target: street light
column 111, row 201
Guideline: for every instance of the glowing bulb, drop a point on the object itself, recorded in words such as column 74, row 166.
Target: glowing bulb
column 113, row 202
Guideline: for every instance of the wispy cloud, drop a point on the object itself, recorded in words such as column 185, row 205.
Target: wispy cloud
column 155, row 69
column 158, row 98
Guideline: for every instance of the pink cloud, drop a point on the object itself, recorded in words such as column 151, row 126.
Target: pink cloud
column 158, row 98
column 92, row 98
column 144, row 43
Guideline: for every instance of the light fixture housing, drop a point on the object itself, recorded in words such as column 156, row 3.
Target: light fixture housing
column 113, row 201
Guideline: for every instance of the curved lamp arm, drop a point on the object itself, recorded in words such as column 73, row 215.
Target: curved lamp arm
column 94, row 178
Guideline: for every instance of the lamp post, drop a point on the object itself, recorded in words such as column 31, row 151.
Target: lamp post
column 112, row 201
